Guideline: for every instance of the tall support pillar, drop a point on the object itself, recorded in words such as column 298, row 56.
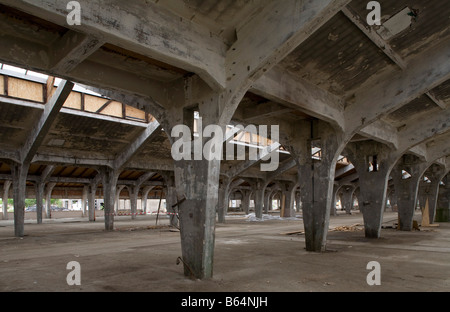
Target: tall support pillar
column 267, row 199
column 272, row 194
column 110, row 177
column 6, row 187
column 316, row 178
column 144, row 197
column 222, row 207
column 336, row 196
column 298, row 202
column 19, row 176
column 245, row 202
column 48, row 198
column 197, row 175
column 429, row 191
column 84, row 200
column 347, row 198
column 288, row 195
column 117, row 203
column 171, row 199
column 197, row 166
column 393, row 200
column 259, row 199
column 406, row 189
column 39, row 186
column 197, row 212
column 133, row 191
column 443, row 202
column 91, row 201
column 373, row 164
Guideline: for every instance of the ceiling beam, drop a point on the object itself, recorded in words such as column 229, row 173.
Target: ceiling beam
column 72, row 160
column 371, row 33
column 382, row 132
column 246, row 164
column 436, row 101
column 282, row 168
column 420, row 150
column 72, row 49
column 142, row 27
column 134, row 148
column 438, row 147
column 424, row 128
column 290, row 22
column 283, row 87
column 43, row 124
column 151, row 103
column 143, row 178
column 343, row 170
column 254, row 53
column 391, row 92
column 264, row 110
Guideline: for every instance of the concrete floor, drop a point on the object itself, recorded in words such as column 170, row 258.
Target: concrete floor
column 249, row 256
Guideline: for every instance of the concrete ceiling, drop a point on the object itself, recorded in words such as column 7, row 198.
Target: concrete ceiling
column 340, row 70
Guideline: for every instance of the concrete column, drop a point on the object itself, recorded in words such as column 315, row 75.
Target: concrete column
column 298, row 202
column 40, row 186
column 431, row 194
column 443, row 202
column 245, row 202
column 288, row 195
column 6, row 186
column 393, row 200
column 171, row 205
column 171, row 199
column 222, row 207
column 316, row 178
column 84, row 200
column 116, row 203
column 144, row 197
column 110, row 177
column 267, row 199
column 69, row 204
column 133, row 192
column 271, row 196
column 406, row 189
column 91, row 201
column 48, row 197
column 373, row 164
column 259, row 200
column 406, row 198
column 19, row 177
column 197, row 176
column 347, row 198
column 197, row 192
column 336, row 190
column 429, row 191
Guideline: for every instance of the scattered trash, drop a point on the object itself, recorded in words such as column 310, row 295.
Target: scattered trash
column 348, row 228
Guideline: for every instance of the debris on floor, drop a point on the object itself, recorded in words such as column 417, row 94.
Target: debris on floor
column 348, row 228
column 137, row 228
column 342, row 228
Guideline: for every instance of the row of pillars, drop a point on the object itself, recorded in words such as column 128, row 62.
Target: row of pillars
column 199, row 194
column 261, row 196
column 111, row 192
column 287, row 206
column 376, row 165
